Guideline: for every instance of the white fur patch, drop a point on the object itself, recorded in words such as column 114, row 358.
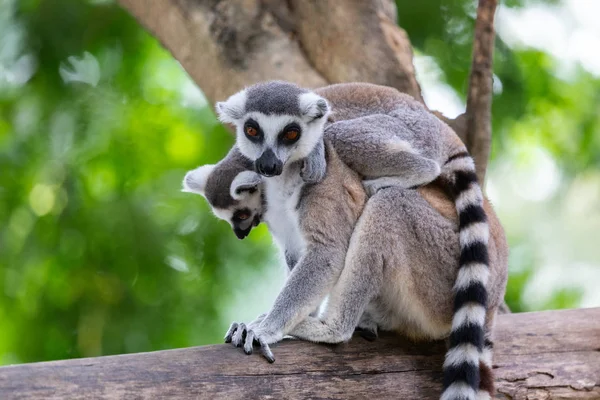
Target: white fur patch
column 486, row 356
column 471, row 196
column 483, row 395
column 471, row 273
column 478, row 232
column 223, row 213
column 396, row 145
column 462, row 353
column 243, row 182
column 282, row 193
column 458, row 390
column 312, row 106
column 461, row 164
column 195, row 180
column 470, row 313
column 232, row 110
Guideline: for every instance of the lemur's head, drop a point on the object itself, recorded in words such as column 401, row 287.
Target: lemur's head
column 233, row 192
column 276, row 123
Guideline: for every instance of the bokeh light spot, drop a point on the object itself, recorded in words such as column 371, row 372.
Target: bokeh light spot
column 41, row 199
column 184, row 146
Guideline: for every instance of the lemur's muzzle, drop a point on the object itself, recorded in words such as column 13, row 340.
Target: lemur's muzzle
column 242, row 233
column 268, row 164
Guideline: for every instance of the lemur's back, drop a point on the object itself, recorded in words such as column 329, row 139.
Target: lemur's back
column 355, row 100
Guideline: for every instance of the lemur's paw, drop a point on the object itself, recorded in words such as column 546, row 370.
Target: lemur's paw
column 231, row 331
column 312, row 171
column 238, row 336
column 237, row 331
column 263, row 338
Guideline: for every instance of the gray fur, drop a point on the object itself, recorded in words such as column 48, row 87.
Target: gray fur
column 275, row 97
column 387, row 146
column 218, row 184
column 314, row 167
column 409, row 289
column 312, row 223
column 389, row 139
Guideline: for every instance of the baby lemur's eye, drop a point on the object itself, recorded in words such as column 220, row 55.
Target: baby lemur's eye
column 251, row 131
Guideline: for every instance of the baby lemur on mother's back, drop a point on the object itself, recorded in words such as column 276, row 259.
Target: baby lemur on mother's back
column 277, row 127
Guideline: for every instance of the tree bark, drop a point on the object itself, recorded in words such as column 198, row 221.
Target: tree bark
column 479, row 100
column 545, row 355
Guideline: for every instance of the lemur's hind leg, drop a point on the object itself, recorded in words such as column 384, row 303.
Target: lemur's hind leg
column 359, row 282
column 379, row 147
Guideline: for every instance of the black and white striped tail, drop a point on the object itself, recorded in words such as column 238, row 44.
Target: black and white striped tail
column 462, row 374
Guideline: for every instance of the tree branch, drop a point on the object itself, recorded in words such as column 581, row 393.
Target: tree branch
column 356, row 41
column 544, row 355
column 225, row 45
column 479, row 100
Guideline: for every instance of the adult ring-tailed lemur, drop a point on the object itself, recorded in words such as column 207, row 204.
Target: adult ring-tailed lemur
column 391, row 141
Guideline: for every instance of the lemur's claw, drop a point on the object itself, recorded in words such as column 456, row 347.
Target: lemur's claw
column 266, row 351
column 240, row 335
column 229, row 335
column 248, row 343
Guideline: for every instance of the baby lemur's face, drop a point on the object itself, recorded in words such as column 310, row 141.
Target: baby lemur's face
column 239, row 201
column 276, row 123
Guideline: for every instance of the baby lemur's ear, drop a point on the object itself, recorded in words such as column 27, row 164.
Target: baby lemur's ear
column 195, row 180
column 313, row 107
column 232, row 110
column 246, row 182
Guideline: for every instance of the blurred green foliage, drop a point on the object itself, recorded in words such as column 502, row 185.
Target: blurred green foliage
column 100, row 253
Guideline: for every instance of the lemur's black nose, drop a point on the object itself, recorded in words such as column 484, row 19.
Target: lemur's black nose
column 241, row 233
column 268, row 164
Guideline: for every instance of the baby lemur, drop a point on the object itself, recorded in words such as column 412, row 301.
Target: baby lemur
column 280, row 127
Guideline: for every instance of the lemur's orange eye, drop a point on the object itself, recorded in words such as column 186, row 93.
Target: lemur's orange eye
column 251, row 131
column 243, row 216
column 292, row 134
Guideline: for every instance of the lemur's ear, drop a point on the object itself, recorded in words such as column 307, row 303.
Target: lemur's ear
column 246, row 182
column 195, row 180
column 313, row 106
column 231, row 110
